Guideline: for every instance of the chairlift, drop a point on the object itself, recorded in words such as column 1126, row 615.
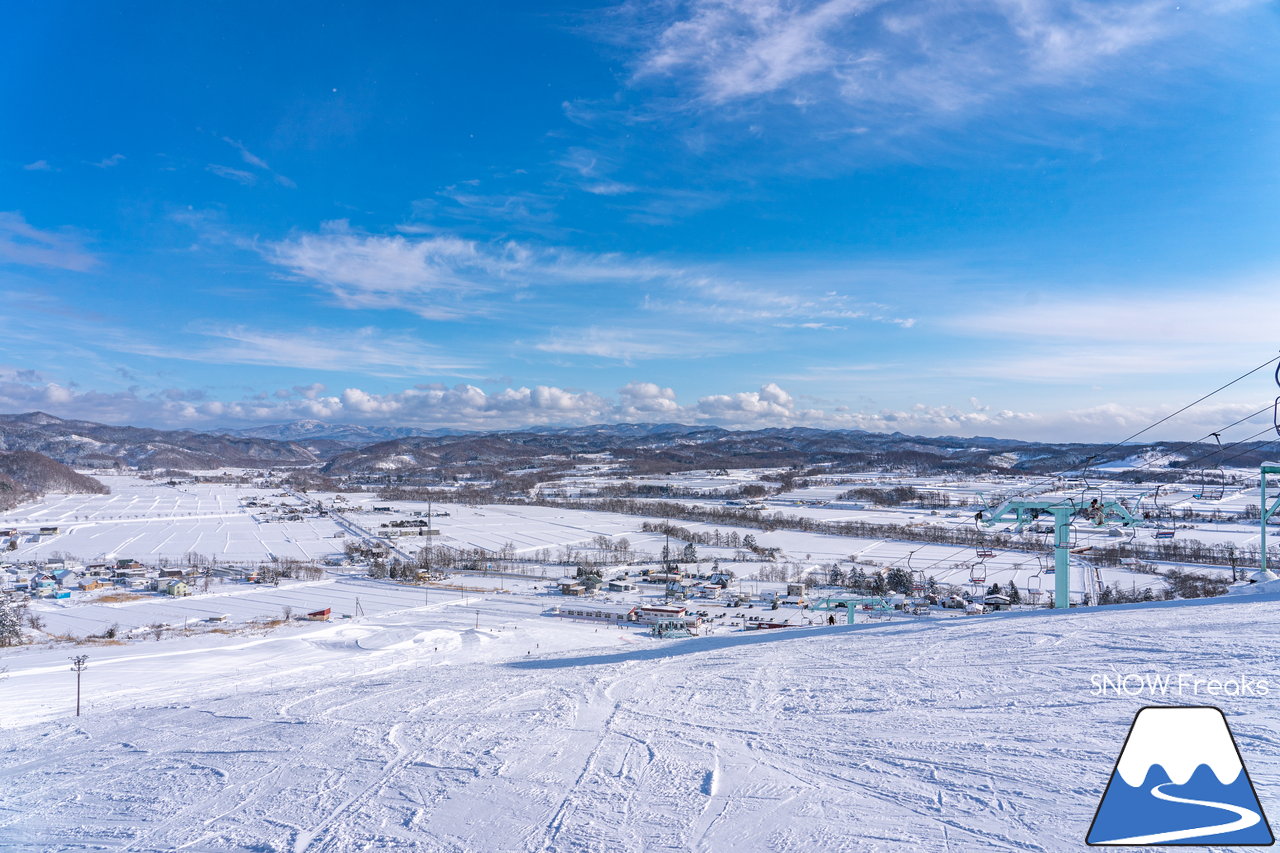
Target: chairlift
column 1209, row 489
column 977, row 574
column 917, row 581
column 1035, row 587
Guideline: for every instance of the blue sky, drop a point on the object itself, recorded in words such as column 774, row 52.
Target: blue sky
column 990, row 217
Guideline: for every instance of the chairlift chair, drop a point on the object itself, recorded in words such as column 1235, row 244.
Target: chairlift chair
column 977, row 574
column 1035, row 588
column 1210, row 490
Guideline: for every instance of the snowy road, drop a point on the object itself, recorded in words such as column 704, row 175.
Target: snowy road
column 960, row 734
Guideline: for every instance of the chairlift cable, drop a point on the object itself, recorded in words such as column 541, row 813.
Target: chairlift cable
column 1275, row 407
column 1166, row 418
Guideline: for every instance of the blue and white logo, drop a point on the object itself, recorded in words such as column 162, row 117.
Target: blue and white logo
column 1180, row 780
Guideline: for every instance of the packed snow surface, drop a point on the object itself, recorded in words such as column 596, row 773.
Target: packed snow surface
column 490, row 727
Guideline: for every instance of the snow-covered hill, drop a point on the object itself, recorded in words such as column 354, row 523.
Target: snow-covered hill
column 418, row 731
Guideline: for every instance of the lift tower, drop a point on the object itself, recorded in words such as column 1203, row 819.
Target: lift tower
column 1063, row 511
column 1264, row 574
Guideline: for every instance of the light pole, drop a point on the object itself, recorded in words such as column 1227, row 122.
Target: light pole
column 77, row 666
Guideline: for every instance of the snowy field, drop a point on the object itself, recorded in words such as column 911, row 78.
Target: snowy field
column 145, row 520
column 149, row 520
column 416, row 730
column 243, row 602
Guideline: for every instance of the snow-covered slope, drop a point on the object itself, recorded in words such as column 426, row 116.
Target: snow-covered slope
column 959, row 735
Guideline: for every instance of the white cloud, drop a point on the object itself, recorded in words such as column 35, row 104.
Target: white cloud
column 109, row 162
column 427, row 275
column 642, row 400
column 470, row 407
column 23, row 243
column 38, row 166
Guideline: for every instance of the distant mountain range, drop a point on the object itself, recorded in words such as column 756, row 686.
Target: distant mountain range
column 312, row 430
column 358, row 435
column 339, row 449
column 86, row 444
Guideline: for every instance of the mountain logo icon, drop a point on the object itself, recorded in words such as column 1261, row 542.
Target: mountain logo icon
column 1180, row 780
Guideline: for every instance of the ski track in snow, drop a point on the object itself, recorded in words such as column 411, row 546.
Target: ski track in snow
column 961, row 735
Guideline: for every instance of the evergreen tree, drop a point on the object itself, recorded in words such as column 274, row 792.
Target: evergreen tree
column 878, row 586
column 749, row 542
column 835, row 577
column 1015, row 595
column 10, row 623
column 899, row 580
column 690, row 554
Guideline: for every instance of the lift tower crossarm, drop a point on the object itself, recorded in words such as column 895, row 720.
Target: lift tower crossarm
column 1062, row 510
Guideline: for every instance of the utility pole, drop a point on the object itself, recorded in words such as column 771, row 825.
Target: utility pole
column 78, row 664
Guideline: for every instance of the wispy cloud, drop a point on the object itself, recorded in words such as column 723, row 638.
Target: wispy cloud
column 240, row 176
column 38, row 166
column 1175, row 330
column 628, row 344
column 871, row 55
column 779, row 304
column 22, row 243
column 877, row 79
column 256, row 162
column 246, row 155
column 109, row 162
column 368, row 350
column 443, row 276
column 497, row 211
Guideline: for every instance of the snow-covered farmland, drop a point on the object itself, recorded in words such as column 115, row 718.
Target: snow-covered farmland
column 417, row 731
column 244, row 602
column 146, row 520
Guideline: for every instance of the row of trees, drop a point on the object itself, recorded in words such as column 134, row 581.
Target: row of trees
column 1172, row 550
column 902, row 495
column 714, row 538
